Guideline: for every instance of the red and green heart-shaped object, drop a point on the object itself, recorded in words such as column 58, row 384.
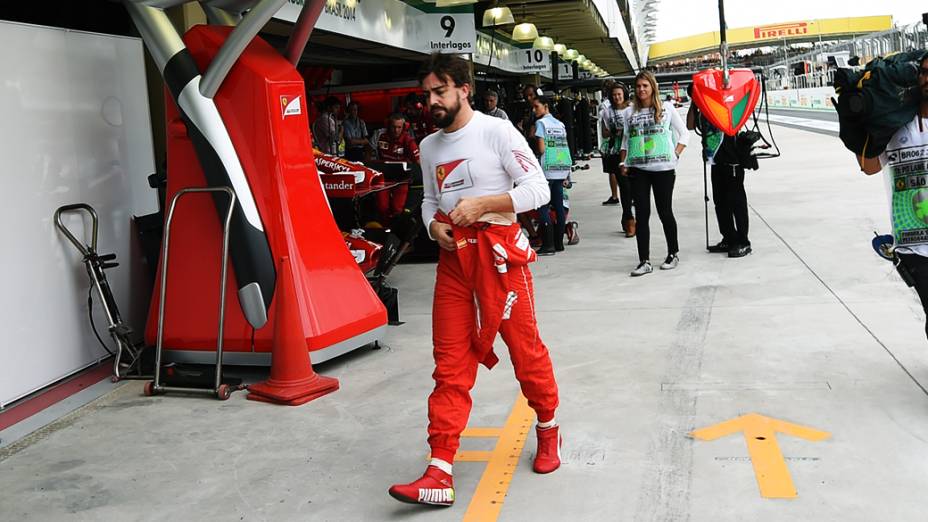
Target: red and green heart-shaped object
column 727, row 109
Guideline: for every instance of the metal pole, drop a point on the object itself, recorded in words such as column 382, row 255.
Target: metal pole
column 723, row 47
column 302, row 30
column 555, row 65
column 705, row 197
column 786, row 62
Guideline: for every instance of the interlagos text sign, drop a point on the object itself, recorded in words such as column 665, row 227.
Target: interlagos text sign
column 509, row 57
column 394, row 23
column 780, row 30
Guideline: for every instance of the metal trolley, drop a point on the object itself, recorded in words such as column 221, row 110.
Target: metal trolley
column 128, row 356
column 220, row 390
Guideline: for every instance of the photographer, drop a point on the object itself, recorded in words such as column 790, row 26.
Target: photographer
column 612, row 121
column 909, row 212
column 728, row 195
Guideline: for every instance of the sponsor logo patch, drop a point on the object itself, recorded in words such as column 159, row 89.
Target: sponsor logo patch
column 454, row 175
column 436, row 496
column 524, row 161
column 290, row 106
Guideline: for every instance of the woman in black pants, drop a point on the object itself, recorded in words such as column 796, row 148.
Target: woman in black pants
column 654, row 137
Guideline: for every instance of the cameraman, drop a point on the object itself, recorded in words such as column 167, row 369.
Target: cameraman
column 612, row 121
column 909, row 212
column 728, row 195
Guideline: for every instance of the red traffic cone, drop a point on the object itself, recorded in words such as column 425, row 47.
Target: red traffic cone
column 292, row 381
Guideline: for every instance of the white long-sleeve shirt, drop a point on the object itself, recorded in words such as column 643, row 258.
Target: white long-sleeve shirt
column 645, row 118
column 486, row 157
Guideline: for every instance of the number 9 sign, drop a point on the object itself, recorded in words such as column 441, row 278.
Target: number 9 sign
column 447, row 23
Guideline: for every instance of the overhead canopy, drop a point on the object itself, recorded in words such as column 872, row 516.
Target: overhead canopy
column 773, row 34
column 579, row 24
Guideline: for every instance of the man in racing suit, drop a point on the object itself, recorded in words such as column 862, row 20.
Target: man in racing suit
column 469, row 170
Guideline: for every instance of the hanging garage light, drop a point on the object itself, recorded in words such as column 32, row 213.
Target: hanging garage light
column 498, row 16
column 525, row 32
column 571, row 54
column 450, row 3
column 560, row 49
column 545, row 43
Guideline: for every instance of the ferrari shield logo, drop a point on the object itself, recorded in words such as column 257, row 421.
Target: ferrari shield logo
column 444, row 170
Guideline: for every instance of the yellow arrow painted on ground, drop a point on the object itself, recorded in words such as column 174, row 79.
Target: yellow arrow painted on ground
column 773, row 476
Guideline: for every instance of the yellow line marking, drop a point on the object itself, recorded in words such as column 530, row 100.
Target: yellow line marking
column 473, row 456
column 482, row 432
column 487, row 501
column 773, row 476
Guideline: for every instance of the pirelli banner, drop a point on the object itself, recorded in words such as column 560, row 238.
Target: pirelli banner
column 746, row 37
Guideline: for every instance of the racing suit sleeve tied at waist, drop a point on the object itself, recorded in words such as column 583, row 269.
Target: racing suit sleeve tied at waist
column 486, row 253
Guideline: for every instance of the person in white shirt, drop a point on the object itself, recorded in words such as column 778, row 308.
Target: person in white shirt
column 478, row 172
column 327, row 130
column 905, row 164
column 654, row 137
column 554, row 155
column 612, row 124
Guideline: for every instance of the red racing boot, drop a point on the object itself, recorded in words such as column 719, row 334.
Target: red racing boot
column 435, row 488
column 548, row 454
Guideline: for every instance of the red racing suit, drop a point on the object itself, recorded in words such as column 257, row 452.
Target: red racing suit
column 392, row 202
column 491, row 265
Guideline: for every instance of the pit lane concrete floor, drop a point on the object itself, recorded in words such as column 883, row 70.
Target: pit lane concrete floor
column 812, row 329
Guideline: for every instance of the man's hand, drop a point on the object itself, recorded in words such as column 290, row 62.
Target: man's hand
column 442, row 233
column 467, row 212
column 624, row 171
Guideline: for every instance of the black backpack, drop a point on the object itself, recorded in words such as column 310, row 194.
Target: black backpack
column 877, row 101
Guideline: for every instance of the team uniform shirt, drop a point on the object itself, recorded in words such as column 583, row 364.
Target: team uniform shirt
column 403, row 148
column 556, row 159
column 718, row 148
column 905, row 168
column 614, row 121
column 485, row 157
column 421, row 125
column 650, row 145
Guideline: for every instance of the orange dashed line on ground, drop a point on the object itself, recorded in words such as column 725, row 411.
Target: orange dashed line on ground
column 487, row 502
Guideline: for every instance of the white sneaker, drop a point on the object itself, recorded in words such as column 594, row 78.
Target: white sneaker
column 671, row 262
column 643, row 268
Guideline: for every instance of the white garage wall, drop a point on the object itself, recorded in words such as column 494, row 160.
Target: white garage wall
column 74, row 128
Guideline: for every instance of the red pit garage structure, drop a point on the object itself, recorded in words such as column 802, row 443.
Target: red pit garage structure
column 237, row 117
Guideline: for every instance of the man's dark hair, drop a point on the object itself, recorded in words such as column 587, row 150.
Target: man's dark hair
column 447, row 67
column 491, row 94
column 545, row 100
column 331, row 101
column 396, row 116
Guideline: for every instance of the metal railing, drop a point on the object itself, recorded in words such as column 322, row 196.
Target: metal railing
column 867, row 47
